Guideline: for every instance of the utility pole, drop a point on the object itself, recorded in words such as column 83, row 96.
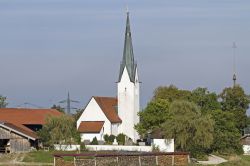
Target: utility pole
column 68, row 102
column 234, row 65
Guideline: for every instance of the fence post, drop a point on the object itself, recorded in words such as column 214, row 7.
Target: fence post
column 139, row 160
column 74, row 160
column 156, row 160
column 54, row 161
column 95, row 161
column 172, row 160
column 117, row 160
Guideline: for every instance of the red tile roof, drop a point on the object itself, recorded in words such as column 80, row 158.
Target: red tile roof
column 17, row 118
column 25, row 132
column 109, row 108
column 26, row 116
column 90, row 126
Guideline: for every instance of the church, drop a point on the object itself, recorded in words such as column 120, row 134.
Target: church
column 115, row 115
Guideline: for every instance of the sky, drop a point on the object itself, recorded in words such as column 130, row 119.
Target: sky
column 50, row 47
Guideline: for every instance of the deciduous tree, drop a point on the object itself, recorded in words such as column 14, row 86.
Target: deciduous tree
column 171, row 93
column 59, row 130
column 226, row 135
column 206, row 100
column 153, row 116
column 3, row 102
column 234, row 100
column 190, row 129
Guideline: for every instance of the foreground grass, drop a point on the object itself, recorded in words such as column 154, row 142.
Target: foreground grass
column 44, row 156
column 242, row 160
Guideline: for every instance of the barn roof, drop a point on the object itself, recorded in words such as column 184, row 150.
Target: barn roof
column 90, row 126
column 19, row 130
column 109, row 108
column 26, row 115
column 17, row 118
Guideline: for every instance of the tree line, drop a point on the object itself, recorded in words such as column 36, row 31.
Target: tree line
column 200, row 121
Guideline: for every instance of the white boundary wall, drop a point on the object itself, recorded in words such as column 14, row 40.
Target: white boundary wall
column 246, row 149
column 66, row 147
column 164, row 145
column 119, row 148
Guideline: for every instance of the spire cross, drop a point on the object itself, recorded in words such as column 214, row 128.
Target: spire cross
column 127, row 11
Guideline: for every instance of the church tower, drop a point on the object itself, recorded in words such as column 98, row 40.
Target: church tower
column 128, row 89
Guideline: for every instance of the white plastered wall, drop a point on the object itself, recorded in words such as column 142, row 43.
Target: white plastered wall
column 127, row 103
column 93, row 112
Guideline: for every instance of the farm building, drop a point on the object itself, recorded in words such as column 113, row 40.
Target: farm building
column 18, row 127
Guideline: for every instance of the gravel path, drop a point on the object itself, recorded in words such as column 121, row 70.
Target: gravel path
column 212, row 159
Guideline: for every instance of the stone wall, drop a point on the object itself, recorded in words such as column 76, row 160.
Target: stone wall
column 129, row 160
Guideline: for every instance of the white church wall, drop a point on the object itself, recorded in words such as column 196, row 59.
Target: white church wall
column 93, row 112
column 137, row 102
column 90, row 136
column 126, row 105
column 114, row 128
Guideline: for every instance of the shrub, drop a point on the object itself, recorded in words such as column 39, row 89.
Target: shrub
column 94, row 141
column 121, row 138
column 111, row 138
column 106, row 138
column 82, row 147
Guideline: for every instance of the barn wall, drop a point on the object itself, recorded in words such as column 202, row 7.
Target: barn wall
column 17, row 142
column 4, row 134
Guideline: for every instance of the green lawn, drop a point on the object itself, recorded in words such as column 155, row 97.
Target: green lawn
column 44, row 156
column 242, row 160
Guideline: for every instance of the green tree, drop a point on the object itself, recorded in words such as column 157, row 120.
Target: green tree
column 171, row 93
column 59, row 130
column 205, row 100
column 234, row 100
column 226, row 135
column 190, row 129
column 77, row 114
column 3, row 102
column 58, row 108
column 153, row 116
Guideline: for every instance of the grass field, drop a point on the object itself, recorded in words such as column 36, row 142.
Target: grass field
column 44, row 156
column 242, row 160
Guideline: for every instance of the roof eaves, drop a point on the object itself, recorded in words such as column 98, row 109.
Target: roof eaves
column 18, row 132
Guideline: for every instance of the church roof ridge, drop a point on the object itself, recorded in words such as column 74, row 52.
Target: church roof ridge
column 108, row 106
column 108, row 97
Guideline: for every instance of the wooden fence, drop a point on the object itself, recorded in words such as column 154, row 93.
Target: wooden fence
column 123, row 159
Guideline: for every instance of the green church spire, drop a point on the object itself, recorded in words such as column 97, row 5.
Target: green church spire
column 128, row 55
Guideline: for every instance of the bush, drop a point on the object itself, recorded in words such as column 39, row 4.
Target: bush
column 121, row 138
column 111, row 138
column 82, row 147
column 94, row 141
column 106, row 138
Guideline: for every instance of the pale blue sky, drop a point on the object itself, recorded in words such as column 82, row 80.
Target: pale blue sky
column 49, row 47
